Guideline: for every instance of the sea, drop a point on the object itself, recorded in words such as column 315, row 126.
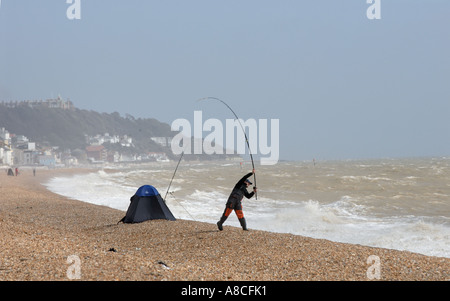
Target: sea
column 401, row 204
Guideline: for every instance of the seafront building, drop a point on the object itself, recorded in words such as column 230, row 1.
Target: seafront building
column 57, row 103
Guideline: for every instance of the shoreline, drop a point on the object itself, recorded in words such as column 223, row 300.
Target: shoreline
column 41, row 230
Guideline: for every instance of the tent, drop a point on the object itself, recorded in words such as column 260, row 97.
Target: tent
column 147, row 204
column 10, row 172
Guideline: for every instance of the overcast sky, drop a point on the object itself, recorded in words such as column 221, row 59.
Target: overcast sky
column 342, row 86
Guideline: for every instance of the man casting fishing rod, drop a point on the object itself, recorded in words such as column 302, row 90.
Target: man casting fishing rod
column 234, row 201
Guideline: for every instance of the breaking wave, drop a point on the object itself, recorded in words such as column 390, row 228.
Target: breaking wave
column 379, row 214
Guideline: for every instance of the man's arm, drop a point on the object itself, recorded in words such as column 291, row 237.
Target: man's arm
column 249, row 195
column 241, row 181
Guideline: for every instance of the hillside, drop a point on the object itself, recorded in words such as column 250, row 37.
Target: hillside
column 67, row 128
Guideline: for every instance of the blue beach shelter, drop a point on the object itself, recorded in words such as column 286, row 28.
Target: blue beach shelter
column 147, row 204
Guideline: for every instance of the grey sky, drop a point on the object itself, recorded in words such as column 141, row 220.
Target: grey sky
column 342, row 86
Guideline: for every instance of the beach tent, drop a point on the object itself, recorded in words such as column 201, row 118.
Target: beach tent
column 147, row 204
column 10, row 172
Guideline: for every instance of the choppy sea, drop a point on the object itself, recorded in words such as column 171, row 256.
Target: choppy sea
column 401, row 204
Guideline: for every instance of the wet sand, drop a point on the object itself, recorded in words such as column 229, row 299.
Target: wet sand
column 43, row 235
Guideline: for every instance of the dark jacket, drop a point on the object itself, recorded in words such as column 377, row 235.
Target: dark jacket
column 239, row 191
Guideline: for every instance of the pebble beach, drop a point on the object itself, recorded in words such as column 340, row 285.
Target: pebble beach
column 45, row 236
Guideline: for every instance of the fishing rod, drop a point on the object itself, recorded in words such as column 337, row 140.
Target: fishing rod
column 243, row 130
column 171, row 185
column 173, row 175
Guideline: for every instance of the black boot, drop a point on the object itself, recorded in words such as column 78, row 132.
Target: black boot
column 222, row 220
column 243, row 224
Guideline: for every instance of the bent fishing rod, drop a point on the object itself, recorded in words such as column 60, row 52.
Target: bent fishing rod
column 243, row 130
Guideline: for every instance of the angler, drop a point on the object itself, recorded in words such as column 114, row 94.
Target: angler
column 234, row 201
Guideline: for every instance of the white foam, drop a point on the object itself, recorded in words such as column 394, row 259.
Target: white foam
column 94, row 188
column 339, row 222
column 344, row 220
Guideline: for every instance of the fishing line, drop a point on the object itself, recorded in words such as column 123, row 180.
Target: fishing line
column 243, row 130
column 182, row 206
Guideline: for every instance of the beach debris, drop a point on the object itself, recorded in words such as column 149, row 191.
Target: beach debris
column 164, row 265
column 112, row 250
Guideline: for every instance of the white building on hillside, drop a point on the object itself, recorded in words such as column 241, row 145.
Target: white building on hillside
column 6, row 156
